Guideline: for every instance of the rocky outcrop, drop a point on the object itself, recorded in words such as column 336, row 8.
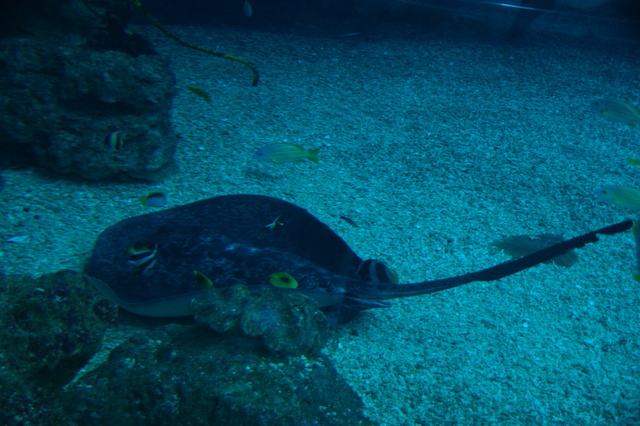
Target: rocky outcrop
column 281, row 322
column 174, row 374
column 182, row 375
column 71, row 76
column 49, row 329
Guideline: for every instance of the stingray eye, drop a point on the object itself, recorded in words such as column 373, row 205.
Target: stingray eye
column 283, row 280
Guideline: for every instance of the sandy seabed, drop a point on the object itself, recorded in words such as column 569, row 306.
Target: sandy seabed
column 435, row 146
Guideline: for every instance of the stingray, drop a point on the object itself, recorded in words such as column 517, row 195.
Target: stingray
column 245, row 239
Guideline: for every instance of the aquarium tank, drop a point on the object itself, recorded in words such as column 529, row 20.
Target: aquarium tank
column 295, row 212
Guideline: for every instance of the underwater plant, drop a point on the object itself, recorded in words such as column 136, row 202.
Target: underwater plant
column 155, row 23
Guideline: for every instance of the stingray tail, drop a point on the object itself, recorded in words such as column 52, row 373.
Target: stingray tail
column 382, row 291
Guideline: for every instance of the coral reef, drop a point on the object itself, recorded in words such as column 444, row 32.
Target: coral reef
column 281, row 320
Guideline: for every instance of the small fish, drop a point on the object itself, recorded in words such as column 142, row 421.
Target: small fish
column 115, row 140
column 270, row 227
column 201, row 281
column 143, row 258
column 522, row 245
column 633, row 161
column 617, row 111
column 355, row 33
column 20, row 239
column 349, row 221
column 285, row 153
column 153, row 199
column 620, row 195
column 247, row 9
column 200, row 92
column 283, row 280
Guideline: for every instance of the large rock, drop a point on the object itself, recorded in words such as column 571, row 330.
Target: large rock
column 49, row 329
column 171, row 374
column 281, row 322
column 69, row 77
column 182, row 375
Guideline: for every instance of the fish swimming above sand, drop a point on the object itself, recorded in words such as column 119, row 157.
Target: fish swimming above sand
column 115, row 140
column 199, row 91
column 617, row 111
column 624, row 196
column 153, row 199
column 286, row 153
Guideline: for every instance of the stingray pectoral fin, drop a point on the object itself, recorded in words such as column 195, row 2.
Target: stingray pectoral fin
column 175, row 306
column 350, row 308
column 389, row 291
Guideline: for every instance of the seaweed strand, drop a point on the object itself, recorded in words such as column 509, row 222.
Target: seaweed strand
column 155, row 23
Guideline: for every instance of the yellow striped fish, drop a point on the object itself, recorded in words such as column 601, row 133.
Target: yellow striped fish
column 618, row 111
column 285, row 153
column 624, row 196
